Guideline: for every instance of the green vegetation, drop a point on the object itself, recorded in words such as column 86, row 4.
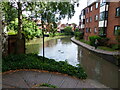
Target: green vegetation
column 78, row 35
column 30, row 30
column 92, row 39
column 47, row 85
column 59, row 34
column 105, row 48
column 33, row 61
column 102, row 43
column 68, row 30
column 115, row 46
column 87, row 42
column 12, row 32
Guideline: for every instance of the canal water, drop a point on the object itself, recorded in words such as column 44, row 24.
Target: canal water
column 96, row 67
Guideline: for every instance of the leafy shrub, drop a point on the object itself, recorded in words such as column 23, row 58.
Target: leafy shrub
column 12, row 32
column 32, row 61
column 93, row 38
column 68, row 31
column 103, row 41
column 115, row 46
column 30, row 30
column 78, row 35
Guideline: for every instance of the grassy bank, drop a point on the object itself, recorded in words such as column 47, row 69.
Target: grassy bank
column 32, row 61
column 99, row 47
column 39, row 40
column 33, row 46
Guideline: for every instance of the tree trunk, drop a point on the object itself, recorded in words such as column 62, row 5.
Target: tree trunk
column 19, row 35
column 19, row 20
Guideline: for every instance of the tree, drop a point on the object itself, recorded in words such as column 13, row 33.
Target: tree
column 10, row 12
column 45, row 10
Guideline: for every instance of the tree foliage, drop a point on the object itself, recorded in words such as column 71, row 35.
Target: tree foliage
column 30, row 30
column 49, row 12
column 10, row 12
column 68, row 30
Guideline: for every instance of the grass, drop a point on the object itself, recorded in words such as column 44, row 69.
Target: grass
column 33, row 61
column 47, row 85
column 99, row 47
column 106, row 48
column 87, row 42
column 39, row 40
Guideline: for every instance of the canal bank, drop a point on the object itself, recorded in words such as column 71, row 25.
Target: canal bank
column 96, row 67
column 108, row 55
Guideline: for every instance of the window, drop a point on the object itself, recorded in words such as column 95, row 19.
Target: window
column 118, row 11
column 87, row 10
column 90, row 19
column 102, row 31
column 116, row 29
column 83, row 21
column 96, row 5
column 90, row 30
column 102, row 2
column 95, row 30
column 103, row 15
column 91, row 8
column 96, row 17
column 87, row 30
column 87, row 20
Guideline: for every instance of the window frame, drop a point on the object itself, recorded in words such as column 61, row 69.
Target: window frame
column 91, row 8
column 117, row 12
column 87, row 20
column 87, row 30
column 90, row 19
column 96, row 5
column 118, row 26
column 104, row 17
column 95, row 30
column 96, row 17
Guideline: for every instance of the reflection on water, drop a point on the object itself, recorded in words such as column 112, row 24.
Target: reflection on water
column 96, row 67
column 60, row 50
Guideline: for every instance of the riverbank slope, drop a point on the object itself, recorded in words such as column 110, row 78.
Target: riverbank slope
column 108, row 55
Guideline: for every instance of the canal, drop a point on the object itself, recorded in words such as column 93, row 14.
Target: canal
column 96, row 67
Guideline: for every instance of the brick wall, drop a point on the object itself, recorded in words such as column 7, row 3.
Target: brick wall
column 92, row 24
column 112, row 21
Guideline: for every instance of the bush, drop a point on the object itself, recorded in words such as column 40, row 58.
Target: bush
column 32, row 61
column 103, row 41
column 78, row 35
column 115, row 46
column 93, row 38
column 12, row 32
column 68, row 31
column 30, row 30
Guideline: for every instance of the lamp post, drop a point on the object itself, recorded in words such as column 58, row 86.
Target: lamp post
column 43, row 39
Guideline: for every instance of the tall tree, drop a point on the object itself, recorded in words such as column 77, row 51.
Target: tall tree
column 49, row 12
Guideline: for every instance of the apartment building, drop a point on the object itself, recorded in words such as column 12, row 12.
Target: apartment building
column 101, row 18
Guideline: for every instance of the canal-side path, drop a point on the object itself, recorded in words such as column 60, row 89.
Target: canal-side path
column 31, row 78
column 93, row 48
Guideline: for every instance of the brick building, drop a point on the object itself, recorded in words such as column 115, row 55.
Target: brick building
column 100, row 18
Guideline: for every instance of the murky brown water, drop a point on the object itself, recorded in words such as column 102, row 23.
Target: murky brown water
column 96, row 67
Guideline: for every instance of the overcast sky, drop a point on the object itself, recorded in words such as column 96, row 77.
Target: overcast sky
column 75, row 18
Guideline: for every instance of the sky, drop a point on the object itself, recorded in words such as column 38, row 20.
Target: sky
column 75, row 18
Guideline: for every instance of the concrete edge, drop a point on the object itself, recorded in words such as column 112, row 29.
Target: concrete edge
column 91, row 48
